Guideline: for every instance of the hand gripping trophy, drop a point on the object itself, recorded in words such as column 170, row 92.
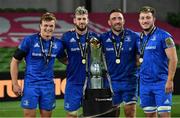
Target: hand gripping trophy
column 97, row 100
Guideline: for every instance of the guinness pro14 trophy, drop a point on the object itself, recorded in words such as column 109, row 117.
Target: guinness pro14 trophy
column 97, row 100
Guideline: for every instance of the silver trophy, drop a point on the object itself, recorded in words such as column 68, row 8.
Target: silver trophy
column 97, row 98
column 96, row 66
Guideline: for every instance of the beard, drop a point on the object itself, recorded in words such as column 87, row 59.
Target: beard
column 149, row 29
column 81, row 29
column 117, row 29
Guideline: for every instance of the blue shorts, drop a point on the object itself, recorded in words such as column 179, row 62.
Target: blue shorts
column 153, row 97
column 44, row 96
column 73, row 97
column 125, row 92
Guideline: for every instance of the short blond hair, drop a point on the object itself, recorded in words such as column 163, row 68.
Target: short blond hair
column 81, row 10
column 48, row 17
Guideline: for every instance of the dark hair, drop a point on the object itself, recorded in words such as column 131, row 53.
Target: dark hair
column 115, row 10
column 47, row 17
column 148, row 9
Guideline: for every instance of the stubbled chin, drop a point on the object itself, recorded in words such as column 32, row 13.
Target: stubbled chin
column 146, row 28
column 48, row 36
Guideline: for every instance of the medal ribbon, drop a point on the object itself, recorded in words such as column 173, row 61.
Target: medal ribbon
column 82, row 48
column 118, row 48
column 143, row 45
column 48, row 55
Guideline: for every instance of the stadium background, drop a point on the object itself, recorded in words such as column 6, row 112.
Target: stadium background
column 19, row 18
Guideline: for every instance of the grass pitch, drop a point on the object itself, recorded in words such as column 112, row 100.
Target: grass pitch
column 13, row 109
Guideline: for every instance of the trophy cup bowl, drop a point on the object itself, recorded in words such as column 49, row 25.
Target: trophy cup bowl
column 97, row 100
column 96, row 69
column 96, row 65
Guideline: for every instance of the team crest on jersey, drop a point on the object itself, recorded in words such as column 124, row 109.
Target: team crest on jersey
column 108, row 40
column 128, row 39
column 55, row 46
column 25, row 102
column 169, row 42
column 67, row 105
column 153, row 38
column 72, row 40
column 36, row 45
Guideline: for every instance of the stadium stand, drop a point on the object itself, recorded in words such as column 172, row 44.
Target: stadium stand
column 17, row 25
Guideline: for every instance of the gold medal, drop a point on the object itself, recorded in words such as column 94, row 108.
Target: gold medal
column 83, row 61
column 140, row 60
column 118, row 61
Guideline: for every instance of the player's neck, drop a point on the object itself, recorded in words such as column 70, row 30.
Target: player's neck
column 45, row 37
column 117, row 32
column 81, row 32
column 146, row 32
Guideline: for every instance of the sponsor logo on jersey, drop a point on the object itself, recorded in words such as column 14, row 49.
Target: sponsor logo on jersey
column 109, row 49
column 150, row 47
column 72, row 40
column 108, row 40
column 36, row 54
column 36, row 45
column 75, row 49
column 130, row 48
column 167, row 101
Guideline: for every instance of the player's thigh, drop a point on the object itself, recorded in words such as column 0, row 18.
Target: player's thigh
column 117, row 98
column 130, row 96
column 73, row 98
column 47, row 99
column 30, row 97
column 147, row 99
column 163, row 100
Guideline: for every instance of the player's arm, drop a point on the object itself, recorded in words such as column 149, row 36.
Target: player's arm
column 63, row 60
column 172, row 64
column 14, row 65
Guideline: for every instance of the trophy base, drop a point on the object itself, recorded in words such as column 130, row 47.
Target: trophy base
column 98, row 103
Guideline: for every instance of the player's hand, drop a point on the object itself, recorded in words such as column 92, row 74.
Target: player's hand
column 169, row 86
column 17, row 90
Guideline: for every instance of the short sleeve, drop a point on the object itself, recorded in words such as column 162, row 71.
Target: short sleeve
column 25, row 44
column 167, row 41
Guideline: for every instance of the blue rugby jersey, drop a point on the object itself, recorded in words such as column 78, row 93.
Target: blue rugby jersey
column 37, row 71
column 126, row 70
column 76, row 70
column 155, row 62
